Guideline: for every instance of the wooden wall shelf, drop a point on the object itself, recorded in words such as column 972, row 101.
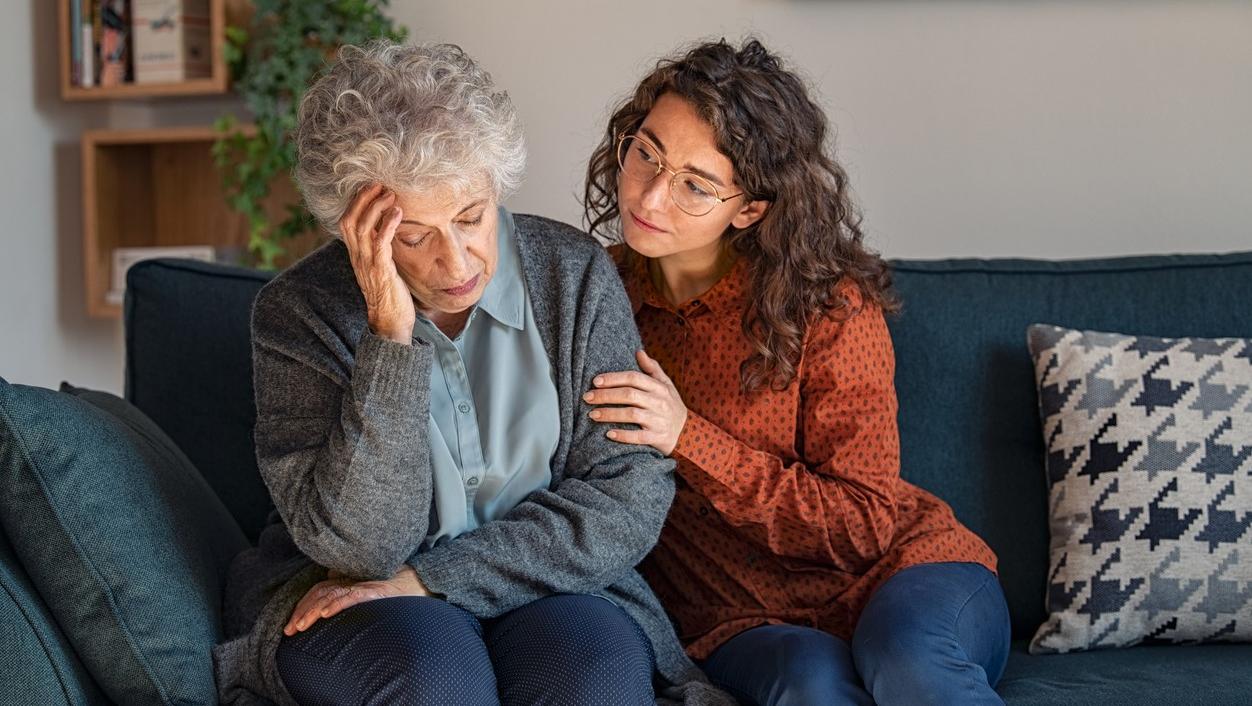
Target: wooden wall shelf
column 159, row 188
column 221, row 12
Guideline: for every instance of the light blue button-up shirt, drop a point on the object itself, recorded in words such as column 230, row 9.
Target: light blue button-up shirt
column 494, row 415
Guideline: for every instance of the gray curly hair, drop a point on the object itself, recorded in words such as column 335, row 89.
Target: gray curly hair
column 411, row 117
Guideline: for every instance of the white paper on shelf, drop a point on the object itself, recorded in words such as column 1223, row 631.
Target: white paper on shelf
column 123, row 258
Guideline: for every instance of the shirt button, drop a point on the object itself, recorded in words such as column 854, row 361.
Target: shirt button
column 473, row 480
column 464, row 408
column 682, row 321
column 704, row 510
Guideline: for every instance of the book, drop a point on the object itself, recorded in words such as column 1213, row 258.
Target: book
column 76, row 42
column 114, row 43
column 87, row 74
column 97, row 33
column 171, row 40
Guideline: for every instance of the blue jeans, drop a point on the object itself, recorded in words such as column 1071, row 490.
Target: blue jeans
column 931, row 634
column 564, row 650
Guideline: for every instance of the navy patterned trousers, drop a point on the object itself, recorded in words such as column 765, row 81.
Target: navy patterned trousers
column 563, row 650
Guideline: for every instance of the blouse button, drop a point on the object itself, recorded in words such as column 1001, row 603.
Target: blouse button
column 704, row 510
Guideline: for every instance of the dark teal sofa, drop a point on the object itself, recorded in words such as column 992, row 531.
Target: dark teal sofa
column 968, row 421
column 970, row 433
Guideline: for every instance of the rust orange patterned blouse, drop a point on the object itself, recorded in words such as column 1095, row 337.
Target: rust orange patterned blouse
column 790, row 507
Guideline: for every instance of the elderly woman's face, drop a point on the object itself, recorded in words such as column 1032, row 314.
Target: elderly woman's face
column 445, row 248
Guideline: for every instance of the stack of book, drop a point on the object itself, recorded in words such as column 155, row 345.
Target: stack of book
column 114, row 42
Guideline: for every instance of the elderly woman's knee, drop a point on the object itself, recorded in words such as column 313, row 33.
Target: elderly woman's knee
column 384, row 648
column 588, row 649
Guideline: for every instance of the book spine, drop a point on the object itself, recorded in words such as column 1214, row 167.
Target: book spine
column 113, row 43
column 76, row 42
column 97, row 38
column 170, row 40
column 88, row 73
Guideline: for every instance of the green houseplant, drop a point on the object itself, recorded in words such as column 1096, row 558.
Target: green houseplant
column 272, row 61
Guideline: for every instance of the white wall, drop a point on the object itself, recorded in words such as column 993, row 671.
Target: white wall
column 1034, row 128
column 1020, row 127
column 45, row 335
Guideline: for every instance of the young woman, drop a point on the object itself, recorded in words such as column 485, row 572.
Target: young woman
column 796, row 563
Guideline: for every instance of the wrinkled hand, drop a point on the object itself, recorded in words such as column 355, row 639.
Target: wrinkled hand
column 369, row 229
column 648, row 399
column 338, row 593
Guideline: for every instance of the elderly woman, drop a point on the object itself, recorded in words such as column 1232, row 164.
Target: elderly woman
column 454, row 528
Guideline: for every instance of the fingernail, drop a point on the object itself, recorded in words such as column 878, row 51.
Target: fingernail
column 595, row 414
column 598, row 381
column 588, row 397
column 612, row 435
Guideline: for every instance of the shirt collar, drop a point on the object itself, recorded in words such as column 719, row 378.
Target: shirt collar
column 505, row 294
column 727, row 297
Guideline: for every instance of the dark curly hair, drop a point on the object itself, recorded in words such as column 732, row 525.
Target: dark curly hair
column 809, row 239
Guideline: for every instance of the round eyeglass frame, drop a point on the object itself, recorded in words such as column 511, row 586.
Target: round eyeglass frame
column 715, row 199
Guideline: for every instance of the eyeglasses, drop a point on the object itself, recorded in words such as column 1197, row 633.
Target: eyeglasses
column 641, row 160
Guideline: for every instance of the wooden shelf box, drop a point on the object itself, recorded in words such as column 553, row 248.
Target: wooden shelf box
column 159, row 188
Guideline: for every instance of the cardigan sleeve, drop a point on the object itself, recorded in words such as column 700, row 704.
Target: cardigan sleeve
column 837, row 505
column 589, row 529
column 341, row 426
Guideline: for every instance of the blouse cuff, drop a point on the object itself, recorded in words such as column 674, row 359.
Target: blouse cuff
column 708, row 447
column 390, row 373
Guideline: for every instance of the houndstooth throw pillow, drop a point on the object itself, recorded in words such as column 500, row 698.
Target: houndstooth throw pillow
column 1149, row 444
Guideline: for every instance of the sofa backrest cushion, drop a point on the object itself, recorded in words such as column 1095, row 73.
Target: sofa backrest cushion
column 37, row 664
column 122, row 538
column 969, row 421
column 189, row 369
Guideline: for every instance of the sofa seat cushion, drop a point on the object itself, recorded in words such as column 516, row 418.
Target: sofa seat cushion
column 123, row 540
column 1207, row 675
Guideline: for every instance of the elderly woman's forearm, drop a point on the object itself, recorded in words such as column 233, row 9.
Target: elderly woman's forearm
column 579, row 537
column 353, row 489
column 354, row 528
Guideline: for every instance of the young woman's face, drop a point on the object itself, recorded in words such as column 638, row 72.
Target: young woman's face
column 652, row 224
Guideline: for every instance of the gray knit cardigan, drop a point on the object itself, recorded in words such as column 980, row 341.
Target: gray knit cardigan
column 341, row 439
